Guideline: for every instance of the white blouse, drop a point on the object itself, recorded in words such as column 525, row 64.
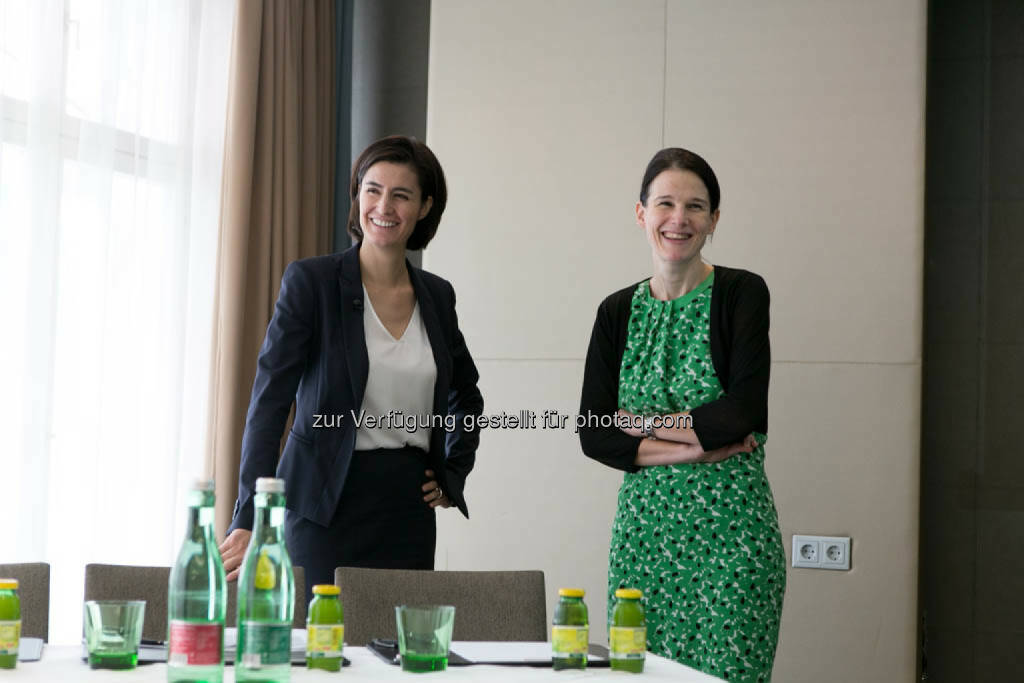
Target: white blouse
column 400, row 386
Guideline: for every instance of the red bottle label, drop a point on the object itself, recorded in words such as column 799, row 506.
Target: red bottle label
column 195, row 644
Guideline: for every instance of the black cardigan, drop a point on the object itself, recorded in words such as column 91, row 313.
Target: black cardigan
column 739, row 352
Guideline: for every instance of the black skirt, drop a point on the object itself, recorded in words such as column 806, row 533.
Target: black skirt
column 381, row 522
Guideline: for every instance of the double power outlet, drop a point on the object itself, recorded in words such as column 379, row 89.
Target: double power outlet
column 821, row 552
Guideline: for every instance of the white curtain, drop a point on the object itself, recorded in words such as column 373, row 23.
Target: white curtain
column 111, row 141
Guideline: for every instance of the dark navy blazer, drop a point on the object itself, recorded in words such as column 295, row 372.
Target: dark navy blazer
column 315, row 354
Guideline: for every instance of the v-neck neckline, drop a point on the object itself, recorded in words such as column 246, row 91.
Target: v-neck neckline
column 408, row 323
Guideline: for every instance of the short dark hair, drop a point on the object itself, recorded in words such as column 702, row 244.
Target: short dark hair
column 400, row 149
column 684, row 160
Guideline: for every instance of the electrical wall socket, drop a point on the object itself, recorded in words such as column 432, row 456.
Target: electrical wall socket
column 821, row 552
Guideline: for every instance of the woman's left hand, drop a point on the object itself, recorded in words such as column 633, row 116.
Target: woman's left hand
column 659, row 452
column 746, row 446
column 433, row 495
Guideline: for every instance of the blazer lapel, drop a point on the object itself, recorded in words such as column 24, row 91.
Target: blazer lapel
column 351, row 284
column 428, row 310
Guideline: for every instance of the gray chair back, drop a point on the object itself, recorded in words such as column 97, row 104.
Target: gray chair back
column 34, row 595
column 492, row 605
column 126, row 582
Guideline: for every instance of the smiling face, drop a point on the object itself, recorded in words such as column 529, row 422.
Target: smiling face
column 390, row 204
column 677, row 217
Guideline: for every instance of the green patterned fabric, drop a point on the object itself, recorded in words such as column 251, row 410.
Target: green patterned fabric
column 701, row 541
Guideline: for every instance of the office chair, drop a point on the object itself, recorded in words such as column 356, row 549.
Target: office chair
column 489, row 605
column 126, row 582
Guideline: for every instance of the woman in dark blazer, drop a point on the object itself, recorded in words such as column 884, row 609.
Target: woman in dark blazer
column 369, row 349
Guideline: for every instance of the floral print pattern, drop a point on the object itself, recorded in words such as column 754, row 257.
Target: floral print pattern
column 701, row 540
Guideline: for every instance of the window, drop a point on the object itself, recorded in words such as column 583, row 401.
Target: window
column 111, row 139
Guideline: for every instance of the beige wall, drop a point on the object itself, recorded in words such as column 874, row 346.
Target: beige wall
column 544, row 113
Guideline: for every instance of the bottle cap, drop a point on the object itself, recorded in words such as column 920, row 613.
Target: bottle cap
column 571, row 592
column 629, row 593
column 202, row 484
column 326, row 589
column 8, row 584
column 269, row 485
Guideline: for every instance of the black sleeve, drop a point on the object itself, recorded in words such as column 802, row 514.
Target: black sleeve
column 278, row 371
column 608, row 445
column 464, row 398
column 744, row 407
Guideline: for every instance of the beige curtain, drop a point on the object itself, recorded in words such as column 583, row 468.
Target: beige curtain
column 277, row 198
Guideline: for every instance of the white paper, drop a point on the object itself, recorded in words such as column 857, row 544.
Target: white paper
column 298, row 639
column 30, row 649
column 482, row 652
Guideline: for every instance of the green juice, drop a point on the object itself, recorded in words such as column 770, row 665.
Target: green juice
column 424, row 663
column 10, row 623
column 570, row 631
column 113, row 660
column 627, row 632
column 325, row 629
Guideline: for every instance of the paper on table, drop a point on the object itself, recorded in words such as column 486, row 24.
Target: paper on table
column 30, row 649
column 298, row 639
column 298, row 653
column 483, row 652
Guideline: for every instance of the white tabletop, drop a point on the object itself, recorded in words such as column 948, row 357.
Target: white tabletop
column 64, row 663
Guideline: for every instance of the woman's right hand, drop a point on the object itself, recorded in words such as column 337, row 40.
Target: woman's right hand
column 232, row 551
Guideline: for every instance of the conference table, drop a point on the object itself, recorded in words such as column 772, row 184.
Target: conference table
column 64, row 663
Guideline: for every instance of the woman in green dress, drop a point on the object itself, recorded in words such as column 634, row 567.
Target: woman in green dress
column 675, row 393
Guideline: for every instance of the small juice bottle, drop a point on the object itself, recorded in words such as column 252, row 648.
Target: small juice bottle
column 627, row 635
column 325, row 629
column 570, row 631
column 10, row 623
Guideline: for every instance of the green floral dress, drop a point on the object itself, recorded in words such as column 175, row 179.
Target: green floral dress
column 701, row 540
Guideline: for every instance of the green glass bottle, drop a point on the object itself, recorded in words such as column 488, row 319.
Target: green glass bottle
column 266, row 593
column 570, row 631
column 10, row 623
column 197, row 597
column 325, row 629
column 627, row 634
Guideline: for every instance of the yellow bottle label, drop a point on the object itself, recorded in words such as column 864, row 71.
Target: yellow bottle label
column 324, row 640
column 627, row 642
column 10, row 634
column 569, row 640
column 265, row 577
